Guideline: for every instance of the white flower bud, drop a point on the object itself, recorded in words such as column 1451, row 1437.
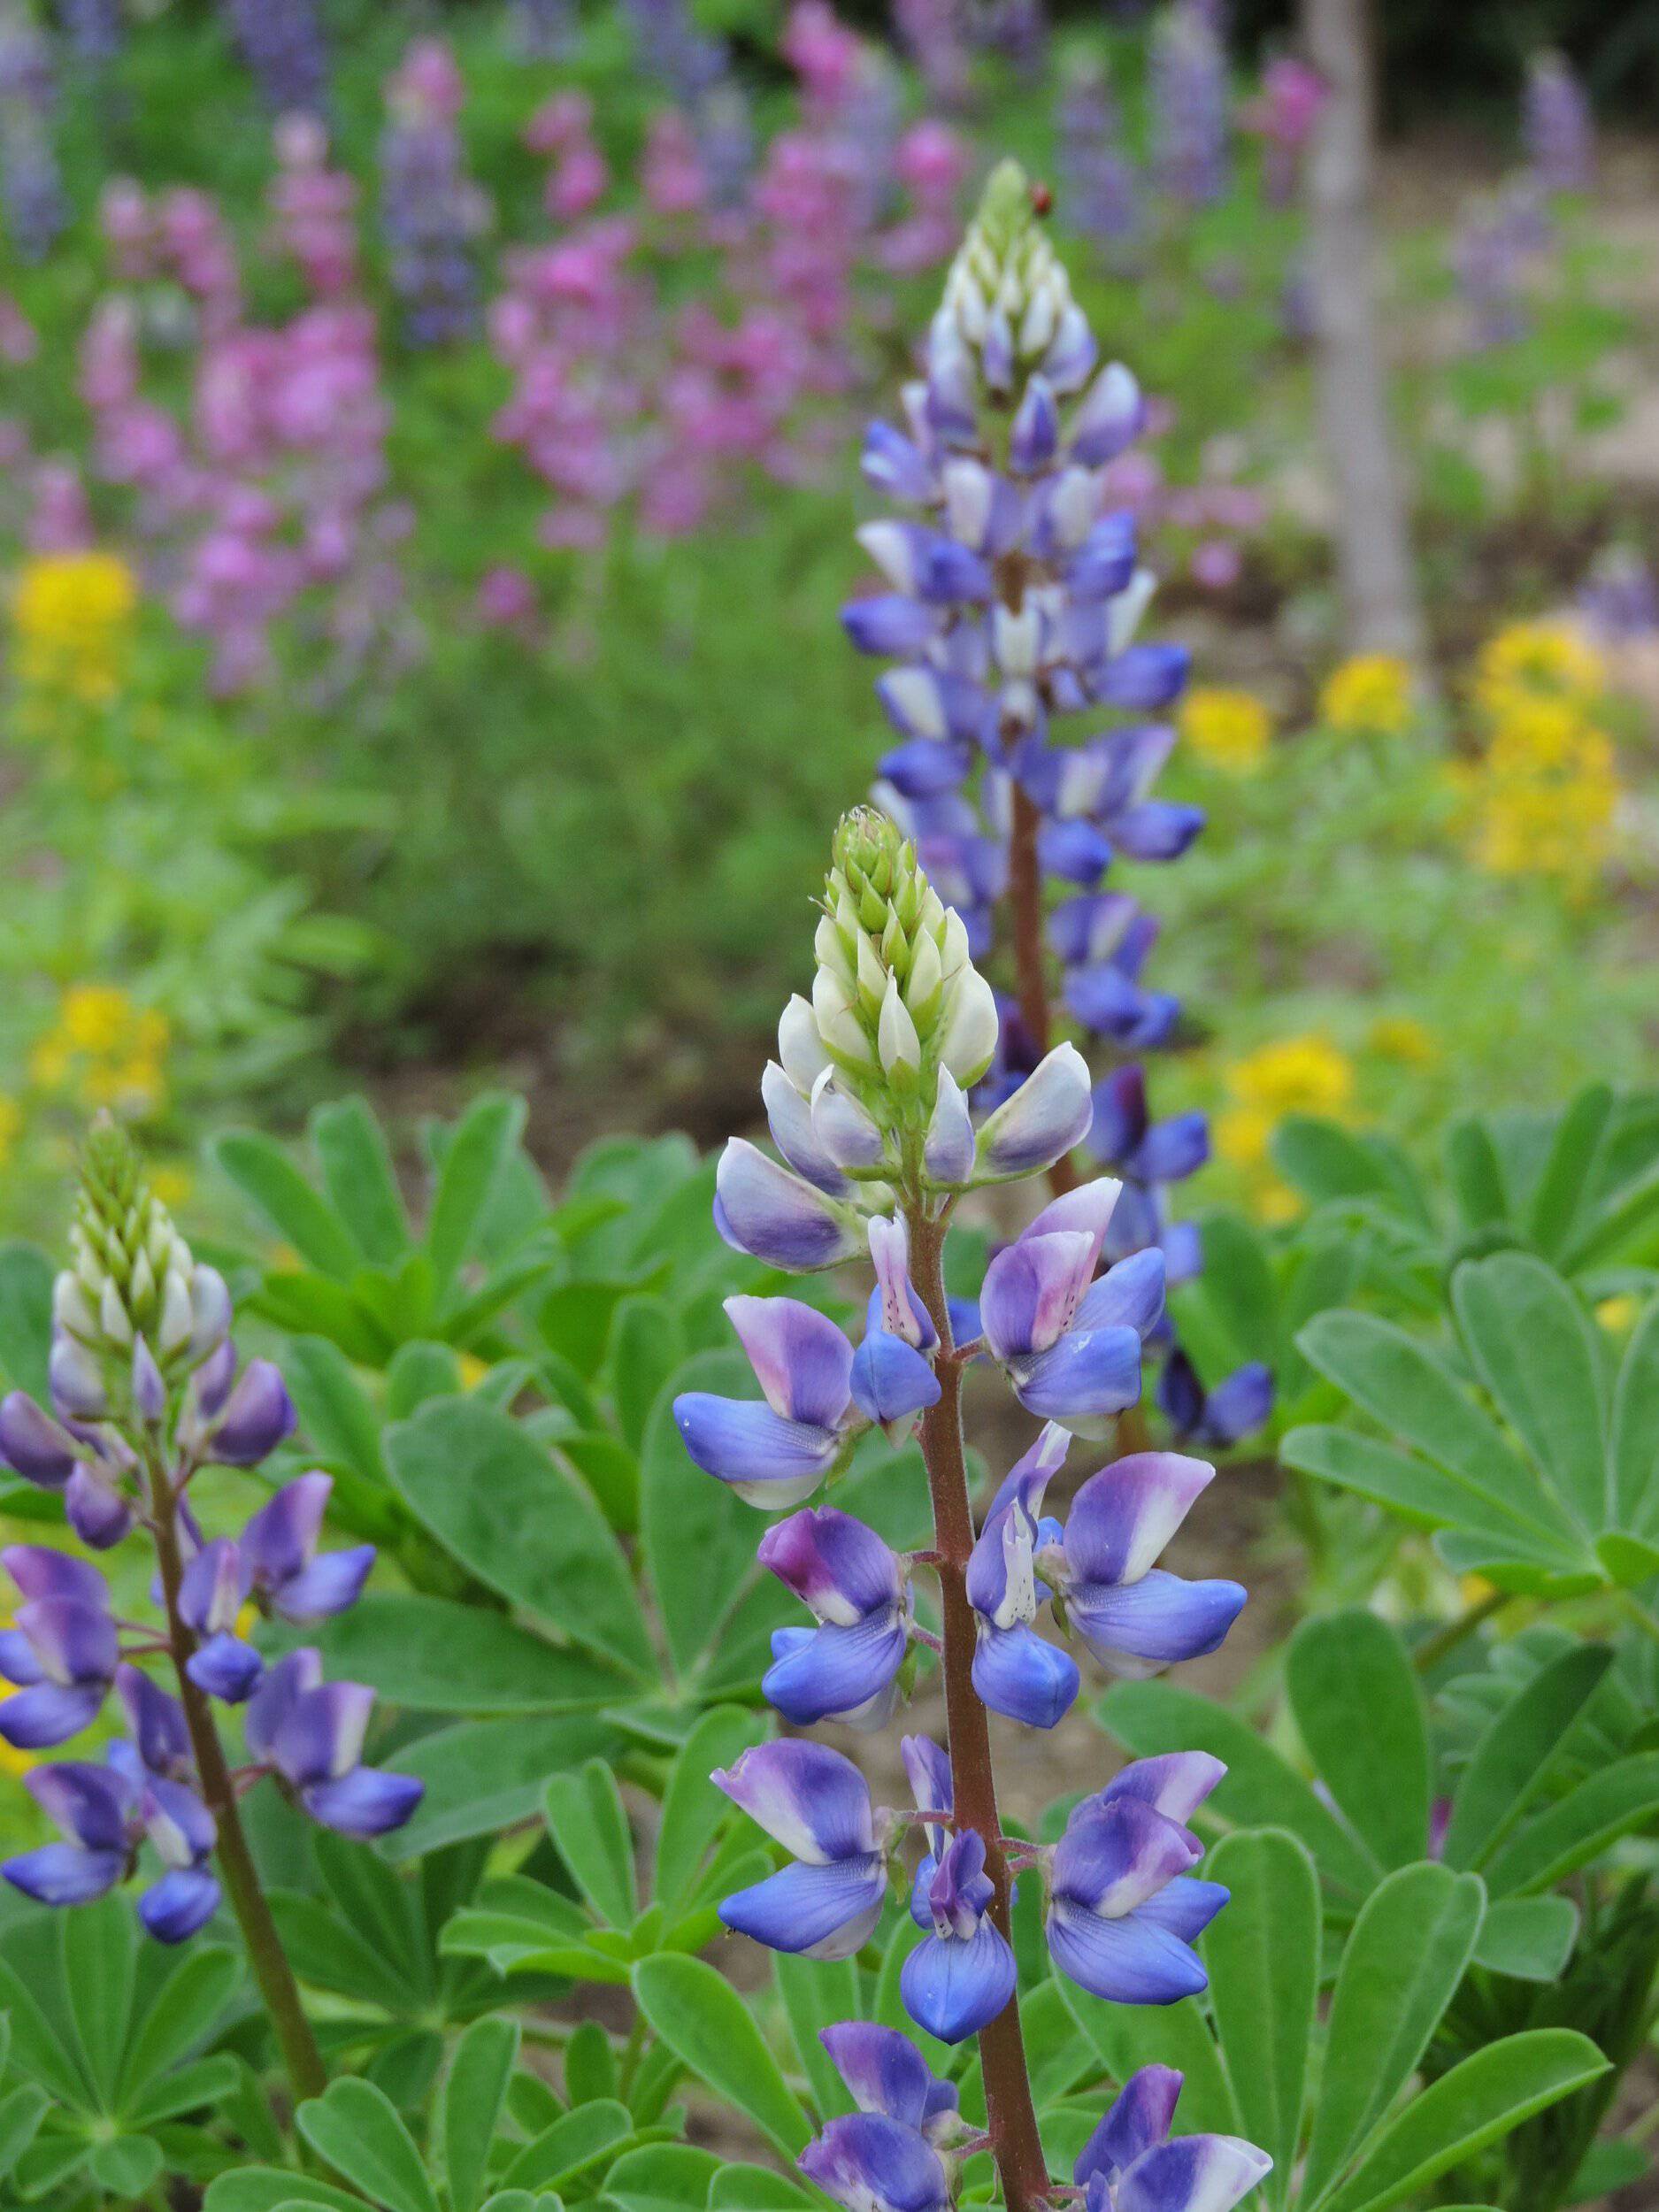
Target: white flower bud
column 178, row 1315
column 889, row 546
column 872, row 976
column 1123, row 613
column 924, row 982
column 1016, row 640
column 838, row 1026
column 847, row 1132
column 900, row 1046
column 112, row 1316
column 954, row 953
column 799, row 1048
column 968, row 1040
column 72, row 1308
column 829, row 949
column 970, row 487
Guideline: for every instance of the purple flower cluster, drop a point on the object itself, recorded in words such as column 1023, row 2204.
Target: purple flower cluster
column 868, row 1106
column 31, row 182
column 1098, row 176
column 432, row 212
column 1283, row 115
column 1188, row 92
column 1013, row 599
column 1500, row 238
column 146, row 1390
column 1557, row 126
column 282, row 42
column 94, row 30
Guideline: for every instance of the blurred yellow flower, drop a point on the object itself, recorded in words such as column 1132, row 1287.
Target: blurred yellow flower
column 172, row 1184
column 1401, row 1037
column 1537, row 657
column 10, row 1126
column 1545, row 799
column 1230, row 730
column 74, row 613
column 1371, row 693
column 1617, row 1313
column 1296, row 1075
column 104, row 1050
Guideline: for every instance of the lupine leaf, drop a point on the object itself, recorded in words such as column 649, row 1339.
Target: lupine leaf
column 698, row 1538
column 271, row 1183
column 184, row 2090
column 273, row 2189
column 36, row 2047
column 1475, row 1175
column 476, row 1158
column 26, row 1316
column 182, row 2013
column 357, row 2130
column 661, row 2178
column 1420, row 1492
column 1559, row 1193
column 1634, row 1450
column 21, row 2112
column 420, row 1370
column 647, row 1345
column 1607, row 1805
column 591, row 2071
column 125, row 2165
column 754, row 2189
column 575, row 2142
column 1528, row 1938
column 1352, row 1664
column 97, row 1944
column 1481, row 2100
column 1409, row 1950
column 1532, row 1341
column 590, row 1831
column 1512, row 1758
column 693, row 1809
column 817, row 1994
column 440, row 1656
column 335, row 1411
column 474, row 2093
column 1124, row 2037
column 357, row 1175
column 1262, row 1953
column 706, row 2024
column 484, row 1775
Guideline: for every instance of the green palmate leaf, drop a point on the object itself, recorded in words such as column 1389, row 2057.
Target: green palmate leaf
column 1326, row 1162
column 420, row 1371
column 337, row 1413
column 647, row 1345
column 573, row 2145
column 180, row 2013
column 1428, row 1495
column 125, row 2165
column 1260, row 1790
column 694, row 1810
column 1512, row 1758
column 329, row 1951
column 1124, row 2037
column 520, row 1923
column 477, row 1158
column 1237, row 1281
column 1479, row 2100
column 1532, row 1344
column 1056, row 2060
column 1558, row 1197
column 481, row 1776
column 591, row 2071
column 273, row 2189
column 1634, row 1452
column 192, row 2088
column 1262, row 1953
column 1615, row 1802
column 1473, row 1171
column 610, row 1471
column 753, row 2189
column 357, row 2130
column 1352, row 1665
column 590, row 1830
column 817, row 1994
column 1409, row 1391
column 1409, row 1950
column 98, row 1945
column 21, row 2112
column 440, row 1656
column 26, row 1316
column 268, row 1178
column 698, row 1538
column 708, row 2028
column 1530, row 1938
column 357, row 1175
column 473, row 2093
column 37, row 2049
column 661, row 2178
column 495, row 1499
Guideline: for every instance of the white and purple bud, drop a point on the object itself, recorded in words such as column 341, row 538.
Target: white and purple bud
column 32, row 1445
column 961, row 1975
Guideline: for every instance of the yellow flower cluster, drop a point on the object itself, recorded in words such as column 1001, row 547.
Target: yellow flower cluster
column 1370, row 695
column 1543, row 796
column 10, row 1126
column 74, row 613
column 1230, row 730
column 1296, row 1075
column 1403, row 1038
column 105, row 1049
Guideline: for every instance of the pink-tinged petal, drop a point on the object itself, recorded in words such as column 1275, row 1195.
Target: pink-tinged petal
column 813, row 1910
column 870, row 2163
column 1175, row 1783
column 1140, row 2119
column 1122, row 1518
column 763, row 1209
column 769, row 1462
column 902, row 1313
column 1128, row 1962
column 1154, row 1623
column 1195, row 2173
column 1088, row 1209
column 802, row 1361
column 1116, row 1852
column 833, row 1563
column 885, row 2072
column 1045, row 1118
column 1030, row 1476
column 807, row 1797
column 1031, row 1291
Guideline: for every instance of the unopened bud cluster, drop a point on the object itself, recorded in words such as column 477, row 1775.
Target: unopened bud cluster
column 1006, row 295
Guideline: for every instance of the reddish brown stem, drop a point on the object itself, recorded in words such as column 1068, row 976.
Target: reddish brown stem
column 1031, row 973
column 1015, row 2144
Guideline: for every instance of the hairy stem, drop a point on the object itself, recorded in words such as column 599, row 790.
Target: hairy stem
column 1016, row 2143
column 277, row 1987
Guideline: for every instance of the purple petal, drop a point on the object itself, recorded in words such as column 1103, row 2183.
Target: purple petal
column 282, row 1536
column 1016, row 1672
column 1031, row 1291
column 320, row 1736
column 1122, row 1518
column 182, row 1901
column 40, row 1572
column 1129, row 1295
column 1174, row 1149
column 1120, row 1115
column 934, row 705
column 97, row 1512
column 768, row 1461
column 836, row 1673
column 367, row 1802
column 885, row 2072
column 953, row 1987
column 1040, row 1123
column 1140, row 2118
column 811, row 1910
column 89, row 1803
column 807, row 1798
column 31, row 1444
column 1157, row 829
column 889, row 625
column 1103, row 565
column 177, row 1823
column 1029, row 1477
column 928, row 1768
column 1090, row 927
column 212, row 1379
column 891, row 1381
column 213, row 1586
column 226, row 1668
column 150, row 1391
column 789, row 1118
column 1104, row 999
column 1154, row 1622
column 257, row 1416
column 922, row 767
column 1143, row 679
column 328, row 1587
column 75, row 1379
column 1128, row 1962
column 63, row 1874
column 802, row 1361
column 1185, row 1906
column 73, row 1642
column 1034, row 433
column 894, row 465
column 959, row 1889
column 1087, row 1210
column 17, row 1662
column 1073, row 351
column 1196, row 2173
column 1087, row 1377
column 271, row 1704
column 1117, row 1852
column 35, row 1720
column 777, row 1217
column 1110, row 417
column 948, row 1156
column 870, row 2163
column 1240, row 1404
column 1175, row 1783
column 833, row 1563
column 1075, row 850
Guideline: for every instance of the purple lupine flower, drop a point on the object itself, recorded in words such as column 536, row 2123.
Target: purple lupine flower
column 93, row 29
column 1103, row 939
column 32, row 1445
column 1617, row 600
column 1499, row 236
column 256, row 1416
column 1219, row 1417
column 962, row 1975
column 282, row 42
column 927, row 1770
column 1102, row 189
column 1134, row 1617
column 846, row 1669
column 62, row 1654
column 211, row 1594
column 1282, row 116
column 1046, row 1116
column 817, row 1804
column 1557, row 126
column 106, row 1811
column 1015, row 1672
column 1124, row 1909
column 885, row 2072
column 546, row 30
column 432, row 212
column 1129, row 2164
column 1187, row 87
column 780, row 1217
column 1147, row 1156
column 310, row 1734
column 870, row 2163
column 1069, row 1345
column 30, row 182
column 279, row 1550
column 156, row 1722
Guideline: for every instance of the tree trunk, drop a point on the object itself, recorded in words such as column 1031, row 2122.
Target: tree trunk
column 1380, row 608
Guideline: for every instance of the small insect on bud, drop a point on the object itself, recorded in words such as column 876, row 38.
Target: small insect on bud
column 1041, row 198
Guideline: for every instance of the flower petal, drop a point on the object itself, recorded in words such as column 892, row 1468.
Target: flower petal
column 282, row 1536
column 1128, row 1962
column 833, row 1563
column 802, row 1361
column 870, row 2163
column 952, row 1987
column 226, row 1668
column 1122, row 1518
column 257, row 1415
column 1016, row 1672
column 1031, row 1291
column 86, row 1801
column 1196, row 2173
column 948, row 1155
column 811, row 1799
column 1175, row 1783
column 1129, row 1295
column 885, row 2072
column 31, row 1444
column 1140, row 2118
column 182, row 1901
column 770, row 1461
column 1084, row 1380
column 762, row 1209
column 831, row 1673
column 1042, row 1121
column 365, row 1802
column 328, row 1587
column 891, row 1380
column 63, row 1874
column 271, row 1704
column 789, row 1118
column 1154, row 1622
column 1115, row 1852
column 1185, row 1906
column 813, row 1910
